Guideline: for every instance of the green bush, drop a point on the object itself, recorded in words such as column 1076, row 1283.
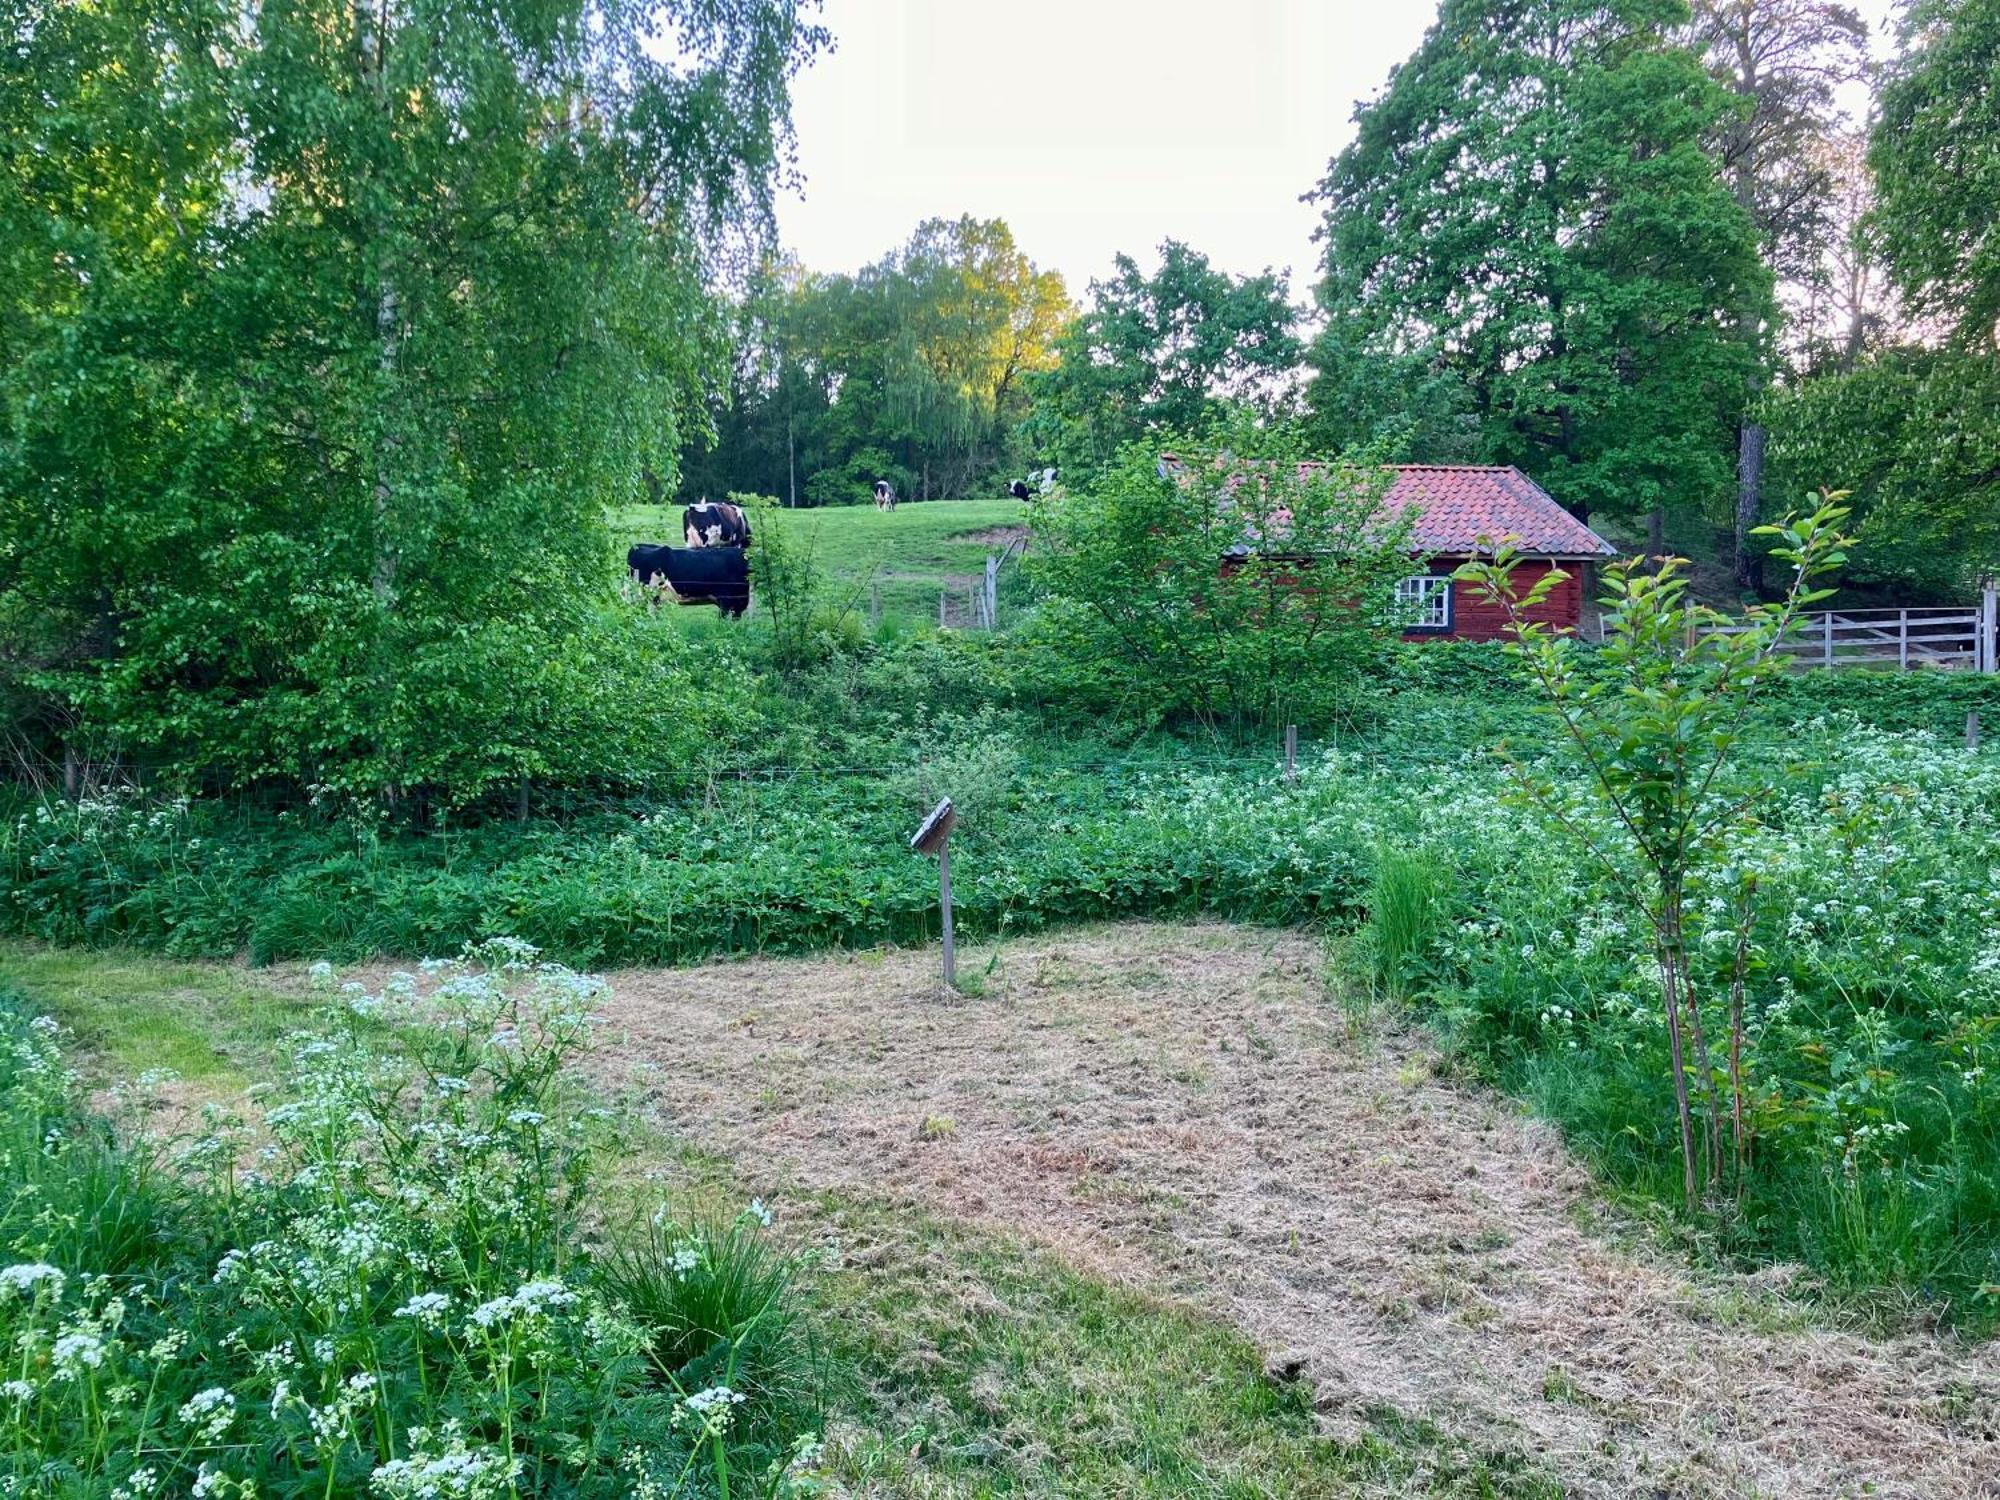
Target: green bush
column 379, row 1286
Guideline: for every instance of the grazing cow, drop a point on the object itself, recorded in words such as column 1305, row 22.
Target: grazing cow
column 1019, row 489
column 715, row 523
column 885, row 495
column 694, row 575
column 1046, row 481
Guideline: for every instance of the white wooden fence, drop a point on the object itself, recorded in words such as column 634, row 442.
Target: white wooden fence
column 1952, row 636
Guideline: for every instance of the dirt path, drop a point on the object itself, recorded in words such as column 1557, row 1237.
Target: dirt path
column 1181, row 1106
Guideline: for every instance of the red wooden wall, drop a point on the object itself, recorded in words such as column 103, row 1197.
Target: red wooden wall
column 1474, row 619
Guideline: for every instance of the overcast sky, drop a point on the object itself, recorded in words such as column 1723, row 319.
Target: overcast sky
column 1090, row 126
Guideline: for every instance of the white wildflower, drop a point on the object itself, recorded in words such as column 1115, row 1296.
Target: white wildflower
column 209, row 1412
column 26, row 1277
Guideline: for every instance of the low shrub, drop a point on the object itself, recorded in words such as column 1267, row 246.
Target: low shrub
column 378, row 1285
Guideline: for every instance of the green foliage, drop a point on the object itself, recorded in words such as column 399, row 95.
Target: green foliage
column 1529, row 239
column 1161, row 354
column 1915, row 435
column 1935, row 151
column 1249, row 583
column 325, row 353
column 1654, row 733
column 396, row 1301
column 914, row 370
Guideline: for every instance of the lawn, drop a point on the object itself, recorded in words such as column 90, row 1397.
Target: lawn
column 896, row 561
column 974, row 1360
column 1158, row 1215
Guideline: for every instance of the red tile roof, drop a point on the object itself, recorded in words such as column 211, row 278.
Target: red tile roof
column 1459, row 506
column 1464, row 510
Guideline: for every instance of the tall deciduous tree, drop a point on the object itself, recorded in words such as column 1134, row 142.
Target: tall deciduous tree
column 315, row 402
column 1784, row 60
column 1529, row 212
column 1164, row 352
column 914, row 370
column 1914, row 430
column 1936, row 155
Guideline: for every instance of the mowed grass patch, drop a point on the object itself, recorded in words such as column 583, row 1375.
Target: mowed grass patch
column 991, row 1367
column 972, row 1364
column 904, row 556
column 131, row 1012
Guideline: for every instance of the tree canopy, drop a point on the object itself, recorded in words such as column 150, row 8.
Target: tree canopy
column 915, row 370
column 328, row 333
column 1530, row 239
column 1165, row 352
column 1936, row 155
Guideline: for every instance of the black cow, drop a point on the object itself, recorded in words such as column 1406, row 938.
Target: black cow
column 715, row 523
column 694, row 575
column 1018, row 489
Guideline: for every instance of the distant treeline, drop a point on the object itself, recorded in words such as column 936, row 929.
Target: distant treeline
column 1639, row 250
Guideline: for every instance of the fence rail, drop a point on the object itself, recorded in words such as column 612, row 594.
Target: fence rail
column 1958, row 637
column 1904, row 638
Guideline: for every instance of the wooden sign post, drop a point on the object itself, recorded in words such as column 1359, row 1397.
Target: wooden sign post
column 935, row 838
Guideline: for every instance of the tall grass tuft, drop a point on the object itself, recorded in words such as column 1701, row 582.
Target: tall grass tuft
column 1407, row 910
column 718, row 1305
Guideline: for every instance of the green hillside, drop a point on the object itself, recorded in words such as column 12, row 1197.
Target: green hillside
column 902, row 558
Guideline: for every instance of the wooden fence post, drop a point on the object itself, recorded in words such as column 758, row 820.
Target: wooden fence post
column 1972, row 729
column 1902, row 640
column 1291, row 752
column 1827, row 624
column 992, row 592
column 935, row 838
column 1989, row 622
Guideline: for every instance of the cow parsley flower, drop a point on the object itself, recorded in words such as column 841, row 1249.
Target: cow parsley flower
column 710, row 1409
column 23, row 1279
column 428, row 1308
column 77, row 1351
column 209, row 1412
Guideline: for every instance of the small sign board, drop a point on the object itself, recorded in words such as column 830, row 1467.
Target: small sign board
column 930, row 838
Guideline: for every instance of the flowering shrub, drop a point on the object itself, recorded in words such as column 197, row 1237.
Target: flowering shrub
column 379, row 1285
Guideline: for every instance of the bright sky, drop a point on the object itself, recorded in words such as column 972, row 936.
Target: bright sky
column 1090, row 126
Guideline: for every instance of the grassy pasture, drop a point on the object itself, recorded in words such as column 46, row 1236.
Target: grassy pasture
column 907, row 555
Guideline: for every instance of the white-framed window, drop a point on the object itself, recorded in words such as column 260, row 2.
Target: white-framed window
column 1424, row 602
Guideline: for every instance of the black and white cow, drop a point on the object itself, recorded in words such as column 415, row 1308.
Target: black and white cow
column 1038, row 483
column 715, row 523
column 885, row 495
column 694, row 575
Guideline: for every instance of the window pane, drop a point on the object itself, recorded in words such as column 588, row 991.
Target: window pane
column 1427, row 600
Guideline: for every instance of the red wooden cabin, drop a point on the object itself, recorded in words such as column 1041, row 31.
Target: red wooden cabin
column 1461, row 510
